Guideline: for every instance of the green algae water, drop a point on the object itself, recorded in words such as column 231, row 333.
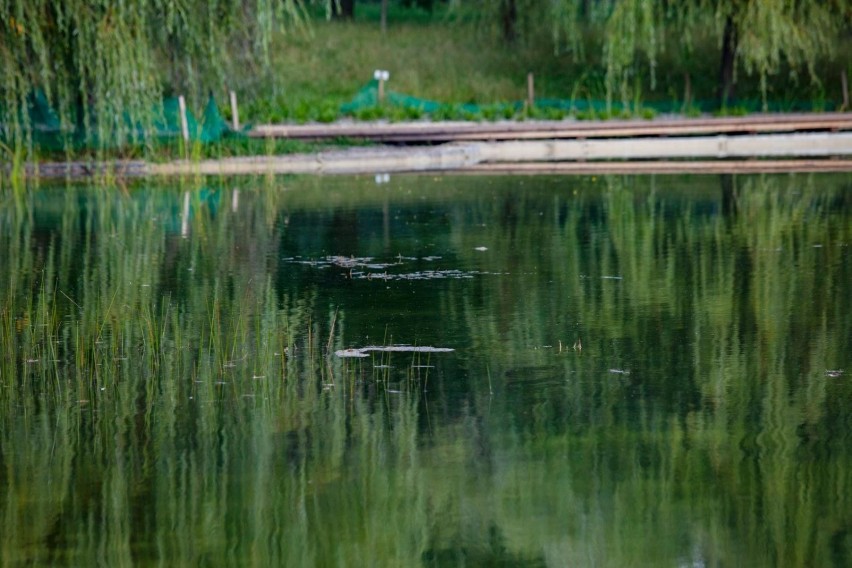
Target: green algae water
column 431, row 371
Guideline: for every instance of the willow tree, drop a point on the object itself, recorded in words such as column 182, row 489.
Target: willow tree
column 105, row 65
column 761, row 36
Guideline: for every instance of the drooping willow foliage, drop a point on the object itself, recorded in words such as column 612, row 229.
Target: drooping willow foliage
column 766, row 34
column 104, row 65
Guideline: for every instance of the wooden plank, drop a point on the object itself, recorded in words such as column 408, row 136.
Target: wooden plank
column 601, row 155
column 443, row 132
column 471, row 155
column 356, row 160
column 664, row 167
column 764, row 145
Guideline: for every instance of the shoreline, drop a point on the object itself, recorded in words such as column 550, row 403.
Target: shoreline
column 760, row 143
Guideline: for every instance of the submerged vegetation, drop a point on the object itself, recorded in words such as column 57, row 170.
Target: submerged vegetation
column 169, row 388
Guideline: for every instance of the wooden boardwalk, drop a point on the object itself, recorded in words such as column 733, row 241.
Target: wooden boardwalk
column 757, row 143
column 439, row 132
column 833, row 148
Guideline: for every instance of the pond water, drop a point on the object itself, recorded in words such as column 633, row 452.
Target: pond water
column 438, row 371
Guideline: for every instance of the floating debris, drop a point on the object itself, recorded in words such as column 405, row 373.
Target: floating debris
column 340, row 261
column 368, row 268
column 423, row 275
column 363, row 351
column 481, row 249
column 612, row 277
column 350, row 353
column 619, row 372
column 409, row 349
column 834, row 373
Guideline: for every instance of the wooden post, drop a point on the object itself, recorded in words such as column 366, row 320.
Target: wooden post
column 381, row 91
column 184, row 123
column 235, row 112
column 530, row 91
column 687, row 92
column 844, row 82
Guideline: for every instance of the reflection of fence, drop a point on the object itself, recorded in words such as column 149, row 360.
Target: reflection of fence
column 425, row 132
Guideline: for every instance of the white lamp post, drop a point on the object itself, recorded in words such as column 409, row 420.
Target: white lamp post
column 381, row 76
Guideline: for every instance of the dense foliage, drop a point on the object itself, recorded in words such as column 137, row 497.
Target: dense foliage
column 99, row 62
column 105, row 65
column 763, row 36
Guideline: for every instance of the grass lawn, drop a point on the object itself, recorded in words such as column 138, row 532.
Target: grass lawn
column 436, row 58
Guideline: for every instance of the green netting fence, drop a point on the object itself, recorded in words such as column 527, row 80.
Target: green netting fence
column 368, row 97
column 49, row 134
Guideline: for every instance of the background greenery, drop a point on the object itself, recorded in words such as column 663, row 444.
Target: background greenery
column 105, row 67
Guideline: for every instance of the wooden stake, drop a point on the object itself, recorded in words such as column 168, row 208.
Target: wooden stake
column 844, row 82
column 235, row 112
column 530, row 90
column 687, row 92
column 381, row 91
column 184, row 123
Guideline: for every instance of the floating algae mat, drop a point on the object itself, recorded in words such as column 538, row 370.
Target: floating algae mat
column 369, row 268
column 559, row 367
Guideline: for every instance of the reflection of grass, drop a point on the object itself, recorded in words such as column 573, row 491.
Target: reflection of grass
column 165, row 397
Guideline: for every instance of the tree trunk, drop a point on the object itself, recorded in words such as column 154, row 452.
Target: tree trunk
column 730, row 42
column 343, row 9
column 384, row 16
column 509, row 19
